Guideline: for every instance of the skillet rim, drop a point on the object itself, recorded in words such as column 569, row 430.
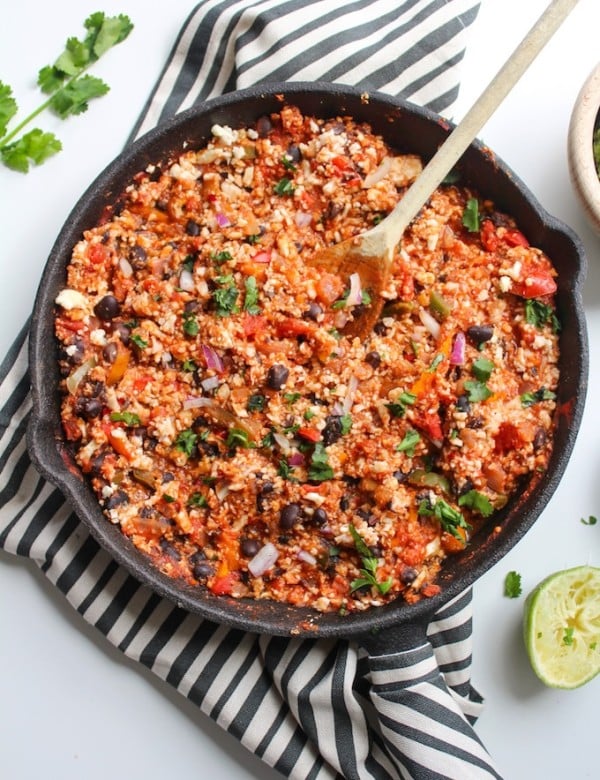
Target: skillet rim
column 52, row 460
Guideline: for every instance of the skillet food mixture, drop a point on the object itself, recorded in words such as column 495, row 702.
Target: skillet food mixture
column 237, row 434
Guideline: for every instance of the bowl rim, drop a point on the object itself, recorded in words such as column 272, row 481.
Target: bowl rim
column 584, row 117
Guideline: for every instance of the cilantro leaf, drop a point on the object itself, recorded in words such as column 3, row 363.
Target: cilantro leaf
column 186, row 441
column 129, row 418
column 284, row 187
column 319, row 469
column 237, row 437
column 449, row 518
column 251, row 297
column 369, row 562
column 538, row 314
column 476, row 501
column 471, row 219
column 409, row 442
column 592, row 520
column 398, row 407
column 190, row 324
column 543, row 394
column 104, row 32
column 8, row 107
column 225, row 296
column 482, row 369
column 477, row 391
column 33, row 147
column 74, row 97
column 512, row 585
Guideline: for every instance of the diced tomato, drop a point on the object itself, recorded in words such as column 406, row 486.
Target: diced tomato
column 223, row 586
column 430, row 424
column 508, row 438
column 97, row 253
column 310, row 434
column 488, row 235
column 253, row 325
column 141, row 382
column 262, row 257
column 515, row 238
column 534, row 283
column 341, row 163
column 292, row 327
column 430, row 590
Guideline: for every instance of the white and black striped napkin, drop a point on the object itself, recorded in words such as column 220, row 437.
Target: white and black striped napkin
column 309, row 708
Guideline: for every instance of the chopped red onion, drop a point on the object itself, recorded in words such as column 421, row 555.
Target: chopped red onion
column 350, row 393
column 222, row 219
column 197, row 402
column 305, row 556
column 430, row 322
column 337, row 409
column 212, row 358
column 457, row 356
column 302, row 219
column 379, row 173
column 210, row 383
column 186, row 280
column 264, row 559
column 355, row 295
column 296, row 459
column 125, row 267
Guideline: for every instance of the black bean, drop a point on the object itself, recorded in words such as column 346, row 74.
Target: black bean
column 118, row 497
column 373, row 358
column 380, row 328
column 320, row 516
column 192, row 228
column 167, row 477
column 539, row 439
column 293, row 153
column 480, row 333
column 314, row 311
column 263, row 126
column 97, row 462
column 88, row 408
column 170, row 549
column 475, row 422
column 107, row 308
column 202, row 569
column 332, row 430
column 249, row 547
column 109, row 352
column 376, row 550
column 289, row 515
column 400, row 476
column 191, row 306
column 123, row 332
column 344, row 503
column 462, row 403
column 76, row 352
column 138, row 257
column 267, row 487
column 408, row 575
column 277, row 376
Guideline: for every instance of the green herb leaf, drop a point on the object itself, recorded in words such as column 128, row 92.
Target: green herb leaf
column 74, row 97
column 288, row 163
column 256, row 402
column 169, row 499
column 189, row 366
column 482, row 369
column 398, row 407
column 197, row 500
column 190, row 324
column 471, row 219
column 409, row 442
column 285, row 470
column 346, row 423
column 590, row 521
column 225, row 296
column 139, row 341
column 477, row 391
column 538, row 314
column 32, row 147
column 370, row 563
column 237, row 437
column 8, row 107
column 435, row 363
column 251, row 297
column 512, row 585
column 129, row 418
column 476, row 501
column 221, row 257
column 529, row 399
column 319, row 469
column 186, row 441
column 284, row 187
column 291, row 398
column 450, row 518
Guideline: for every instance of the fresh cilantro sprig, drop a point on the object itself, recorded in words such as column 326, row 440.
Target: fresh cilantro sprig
column 69, row 89
column 512, row 585
column 449, row 518
column 369, row 562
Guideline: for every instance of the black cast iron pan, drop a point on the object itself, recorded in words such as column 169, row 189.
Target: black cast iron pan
column 408, row 129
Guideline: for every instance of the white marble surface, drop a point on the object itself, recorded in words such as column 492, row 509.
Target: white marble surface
column 71, row 706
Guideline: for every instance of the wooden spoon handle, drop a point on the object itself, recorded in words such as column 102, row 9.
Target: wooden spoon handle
column 457, row 142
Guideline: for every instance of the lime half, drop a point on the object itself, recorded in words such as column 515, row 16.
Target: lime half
column 562, row 627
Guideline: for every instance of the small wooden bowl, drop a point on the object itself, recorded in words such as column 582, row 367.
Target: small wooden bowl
column 582, row 167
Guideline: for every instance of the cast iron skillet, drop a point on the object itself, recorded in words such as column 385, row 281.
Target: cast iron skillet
column 408, row 129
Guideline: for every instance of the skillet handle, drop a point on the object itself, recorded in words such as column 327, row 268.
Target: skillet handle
column 425, row 725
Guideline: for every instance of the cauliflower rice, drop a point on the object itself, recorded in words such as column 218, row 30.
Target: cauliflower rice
column 234, row 431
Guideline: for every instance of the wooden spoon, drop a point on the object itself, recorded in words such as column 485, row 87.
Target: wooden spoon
column 371, row 253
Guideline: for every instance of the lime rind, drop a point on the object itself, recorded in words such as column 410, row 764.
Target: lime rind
column 562, row 627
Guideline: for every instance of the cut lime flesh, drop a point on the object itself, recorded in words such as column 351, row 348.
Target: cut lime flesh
column 562, row 627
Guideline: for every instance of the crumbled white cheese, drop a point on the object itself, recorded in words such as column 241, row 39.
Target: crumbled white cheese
column 71, row 299
column 226, row 134
column 505, row 283
column 98, row 337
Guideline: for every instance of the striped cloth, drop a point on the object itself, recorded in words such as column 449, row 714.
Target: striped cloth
column 309, row 708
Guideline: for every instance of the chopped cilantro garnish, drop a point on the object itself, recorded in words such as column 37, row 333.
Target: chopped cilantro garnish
column 409, row 442
column 538, row 314
column 225, row 296
column 370, row 563
column 285, row 470
column 190, row 324
column 477, row 391
column 482, row 369
column 220, row 257
column 398, row 407
column 450, row 518
column 476, row 501
column 291, row 398
column 309, row 414
column 512, row 585
column 169, row 499
column 284, row 187
column 251, row 296
column 197, row 500
column 590, row 521
column 471, row 218
column 237, row 437
column 129, row 418
column 189, row 365
column 346, row 423
column 435, row 363
column 188, row 263
column 529, row 399
column 186, row 441
column 139, row 341
column 288, row 163
column 319, row 469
